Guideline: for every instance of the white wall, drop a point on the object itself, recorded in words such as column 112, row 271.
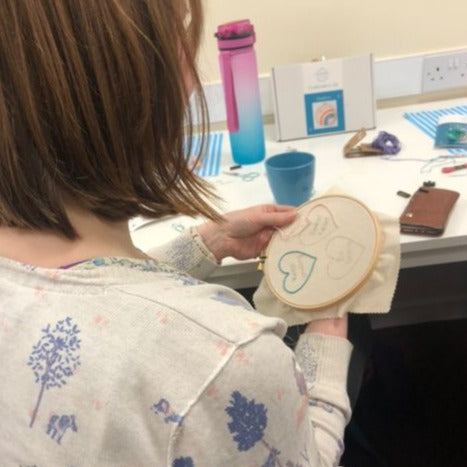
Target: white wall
column 293, row 31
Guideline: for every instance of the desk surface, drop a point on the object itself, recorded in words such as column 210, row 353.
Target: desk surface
column 373, row 180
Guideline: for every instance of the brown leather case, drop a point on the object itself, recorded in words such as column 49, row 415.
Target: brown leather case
column 428, row 210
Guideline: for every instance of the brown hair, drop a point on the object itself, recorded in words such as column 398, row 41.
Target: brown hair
column 93, row 109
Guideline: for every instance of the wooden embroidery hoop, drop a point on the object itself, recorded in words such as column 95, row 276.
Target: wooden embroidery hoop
column 338, row 238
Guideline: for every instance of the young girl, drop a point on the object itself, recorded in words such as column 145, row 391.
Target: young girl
column 109, row 357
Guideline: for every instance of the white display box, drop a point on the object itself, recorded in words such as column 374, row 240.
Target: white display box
column 325, row 97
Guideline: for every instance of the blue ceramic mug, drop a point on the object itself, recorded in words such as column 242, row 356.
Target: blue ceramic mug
column 291, row 177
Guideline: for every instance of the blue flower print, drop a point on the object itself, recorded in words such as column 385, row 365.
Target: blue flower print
column 163, row 407
column 55, row 357
column 248, row 423
column 183, row 462
column 58, row 425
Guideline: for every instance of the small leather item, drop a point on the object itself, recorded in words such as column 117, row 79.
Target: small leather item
column 428, row 210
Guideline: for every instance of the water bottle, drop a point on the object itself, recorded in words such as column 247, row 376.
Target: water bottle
column 239, row 73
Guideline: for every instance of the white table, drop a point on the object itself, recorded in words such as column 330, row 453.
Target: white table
column 371, row 179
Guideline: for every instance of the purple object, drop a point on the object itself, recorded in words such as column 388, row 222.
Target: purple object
column 388, row 143
column 239, row 73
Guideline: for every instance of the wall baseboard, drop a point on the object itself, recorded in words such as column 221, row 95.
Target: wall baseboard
column 393, row 78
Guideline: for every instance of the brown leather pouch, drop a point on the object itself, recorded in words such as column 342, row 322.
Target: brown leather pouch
column 428, row 210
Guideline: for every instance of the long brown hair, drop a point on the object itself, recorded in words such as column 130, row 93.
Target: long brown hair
column 93, row 109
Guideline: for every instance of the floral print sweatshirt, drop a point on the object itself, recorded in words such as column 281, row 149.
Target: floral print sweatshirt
column 134, row 363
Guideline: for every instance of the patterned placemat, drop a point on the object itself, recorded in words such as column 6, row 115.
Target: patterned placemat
column 211, row 158
column 427, row 121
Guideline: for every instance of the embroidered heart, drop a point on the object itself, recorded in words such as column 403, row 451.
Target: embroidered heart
column 312, row 226
column 321, row 224
column 297, row 268
column 344, row 254
column 295, row 228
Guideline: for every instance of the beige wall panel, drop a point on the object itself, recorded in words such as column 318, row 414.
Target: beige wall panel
column 295, row 31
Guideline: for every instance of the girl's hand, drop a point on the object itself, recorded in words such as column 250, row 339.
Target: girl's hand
column 245, row 233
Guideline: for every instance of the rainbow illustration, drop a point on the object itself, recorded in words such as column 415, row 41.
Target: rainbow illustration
column 325, row 114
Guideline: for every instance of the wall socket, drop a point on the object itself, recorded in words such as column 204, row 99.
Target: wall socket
column 444, row 71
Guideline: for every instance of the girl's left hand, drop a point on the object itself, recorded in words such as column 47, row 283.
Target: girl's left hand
column 243, row 234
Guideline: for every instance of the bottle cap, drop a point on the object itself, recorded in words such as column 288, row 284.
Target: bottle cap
column 235, row 34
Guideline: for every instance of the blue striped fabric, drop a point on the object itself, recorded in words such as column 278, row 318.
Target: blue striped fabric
column 427, row 121
column 211, row 158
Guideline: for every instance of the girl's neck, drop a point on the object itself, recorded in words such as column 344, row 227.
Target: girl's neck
column 96, row 238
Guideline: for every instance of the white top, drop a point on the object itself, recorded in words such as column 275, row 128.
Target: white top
column 122, row 362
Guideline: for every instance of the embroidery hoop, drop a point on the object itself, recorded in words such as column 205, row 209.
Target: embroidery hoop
column 325, row 255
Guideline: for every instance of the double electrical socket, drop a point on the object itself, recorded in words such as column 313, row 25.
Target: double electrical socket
column 444, row 71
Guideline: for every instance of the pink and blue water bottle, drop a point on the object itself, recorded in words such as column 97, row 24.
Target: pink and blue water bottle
column 239, row 73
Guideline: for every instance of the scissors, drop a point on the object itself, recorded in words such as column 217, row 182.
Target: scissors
column 248, row 177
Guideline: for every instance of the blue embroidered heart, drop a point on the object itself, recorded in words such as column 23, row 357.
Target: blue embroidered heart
column 297, row 268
